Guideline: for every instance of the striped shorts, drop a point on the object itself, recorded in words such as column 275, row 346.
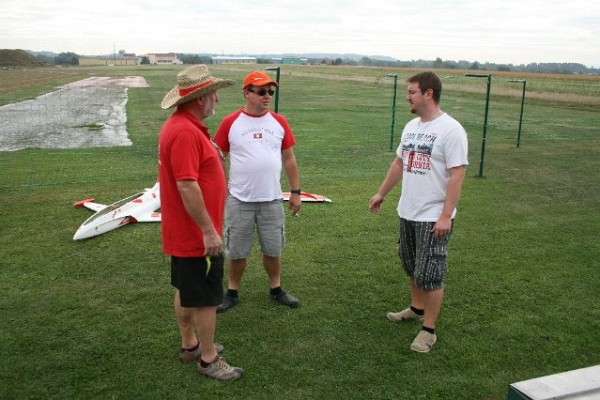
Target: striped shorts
column 423, row 257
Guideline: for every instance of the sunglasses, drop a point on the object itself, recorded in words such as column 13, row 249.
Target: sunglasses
column 262, row 91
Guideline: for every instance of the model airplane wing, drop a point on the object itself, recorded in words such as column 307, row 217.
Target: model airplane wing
column 140, row 207
column 308, row 197
column 90, row 204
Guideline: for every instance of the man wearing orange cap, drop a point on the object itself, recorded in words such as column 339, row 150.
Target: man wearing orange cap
column 192, row 191
column 259, row 143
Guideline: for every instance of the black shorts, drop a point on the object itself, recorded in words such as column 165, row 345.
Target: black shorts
column 200, row 283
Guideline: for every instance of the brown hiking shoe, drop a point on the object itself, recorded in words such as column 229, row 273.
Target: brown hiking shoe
column 187, row 356
column 221, row 370
column 404, row 315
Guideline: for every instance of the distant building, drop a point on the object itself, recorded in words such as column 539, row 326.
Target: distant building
column 290, row 60
column 233, row 60
column 163, row 58
column 107, row 61
column 122, row 58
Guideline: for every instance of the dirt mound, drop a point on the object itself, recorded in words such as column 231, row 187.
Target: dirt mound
column 19, row 58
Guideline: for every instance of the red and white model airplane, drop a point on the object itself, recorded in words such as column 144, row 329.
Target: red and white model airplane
column 140, row 207
column 308, row 197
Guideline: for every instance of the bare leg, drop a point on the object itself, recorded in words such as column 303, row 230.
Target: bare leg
column 430, row 301
column 206, row 320
column 236, row 270
column 185, row 320
column 417, row 296
column 433, row 305
column 273, row 267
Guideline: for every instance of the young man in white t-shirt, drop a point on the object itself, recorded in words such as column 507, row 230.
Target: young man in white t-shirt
column 430, row 162
column 260, row 144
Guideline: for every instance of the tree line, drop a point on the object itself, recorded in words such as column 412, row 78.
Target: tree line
column 438, row 63
column 554, row 68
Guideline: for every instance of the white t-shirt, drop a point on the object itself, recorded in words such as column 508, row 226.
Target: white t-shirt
column 254, row 144
column 428, row 150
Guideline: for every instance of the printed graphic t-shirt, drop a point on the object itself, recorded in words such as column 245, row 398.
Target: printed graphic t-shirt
column 427, row 151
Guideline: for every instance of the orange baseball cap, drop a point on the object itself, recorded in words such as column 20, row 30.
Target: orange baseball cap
column 258, row 78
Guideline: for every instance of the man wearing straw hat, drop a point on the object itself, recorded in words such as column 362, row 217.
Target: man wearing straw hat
column 193, row 190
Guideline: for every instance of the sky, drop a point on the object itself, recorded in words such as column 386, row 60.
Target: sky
column 498, row 31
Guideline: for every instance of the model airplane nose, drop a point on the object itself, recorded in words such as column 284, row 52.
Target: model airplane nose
column 82, row 234
column 91, row 230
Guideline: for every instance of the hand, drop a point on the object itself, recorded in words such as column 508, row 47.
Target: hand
column 442, row 227
column 294, row 204
column 375, row 203
column 213, row 245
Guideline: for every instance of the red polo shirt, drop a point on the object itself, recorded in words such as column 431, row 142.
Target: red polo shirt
column 185, row 152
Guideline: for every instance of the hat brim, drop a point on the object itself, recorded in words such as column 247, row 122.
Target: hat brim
column 260, row 83
column 172, row 98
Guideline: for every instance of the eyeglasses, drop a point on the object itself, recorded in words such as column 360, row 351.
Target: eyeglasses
column 262, row 91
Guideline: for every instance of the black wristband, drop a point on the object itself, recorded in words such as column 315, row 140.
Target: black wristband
column 295, row 191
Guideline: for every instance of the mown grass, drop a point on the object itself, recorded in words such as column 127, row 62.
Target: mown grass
column 93, row 319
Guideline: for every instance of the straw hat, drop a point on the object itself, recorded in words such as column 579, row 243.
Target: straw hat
column 192, row 83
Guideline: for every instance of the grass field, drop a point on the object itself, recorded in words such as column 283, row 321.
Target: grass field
column 93, row 319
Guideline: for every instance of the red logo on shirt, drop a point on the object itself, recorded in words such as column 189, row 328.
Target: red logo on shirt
column 257, row 135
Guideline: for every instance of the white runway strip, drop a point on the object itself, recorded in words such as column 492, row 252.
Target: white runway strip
column 87, row 113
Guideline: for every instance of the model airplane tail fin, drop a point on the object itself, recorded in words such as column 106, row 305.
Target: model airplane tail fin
column 82, row 202
column 155, row 187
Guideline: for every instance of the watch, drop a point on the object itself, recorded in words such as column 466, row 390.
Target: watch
column 295, row 191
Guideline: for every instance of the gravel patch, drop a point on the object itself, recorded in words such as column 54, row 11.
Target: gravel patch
column 87, row 113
